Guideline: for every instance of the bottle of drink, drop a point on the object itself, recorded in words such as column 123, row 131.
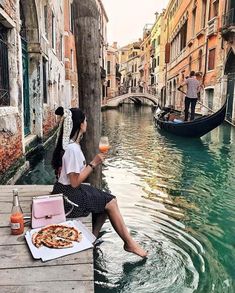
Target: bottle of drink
column 17, row 217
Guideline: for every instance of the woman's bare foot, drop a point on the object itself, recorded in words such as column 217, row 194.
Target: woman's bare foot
column 135, row 248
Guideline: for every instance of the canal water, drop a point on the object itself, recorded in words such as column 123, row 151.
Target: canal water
column 177, row 199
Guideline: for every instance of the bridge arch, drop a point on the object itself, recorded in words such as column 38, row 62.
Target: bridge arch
column 115, row 102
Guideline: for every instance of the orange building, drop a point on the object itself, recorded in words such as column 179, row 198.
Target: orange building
column 70, row 99
column 193, row 42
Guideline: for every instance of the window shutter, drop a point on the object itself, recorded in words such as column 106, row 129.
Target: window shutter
column 167, row 52
column 211, row 59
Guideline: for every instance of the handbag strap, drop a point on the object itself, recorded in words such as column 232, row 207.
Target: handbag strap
column 73, row 204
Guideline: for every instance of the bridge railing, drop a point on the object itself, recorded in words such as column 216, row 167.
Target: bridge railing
column 137, row 89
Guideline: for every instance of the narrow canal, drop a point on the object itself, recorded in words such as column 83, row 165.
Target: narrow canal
column 177, row 198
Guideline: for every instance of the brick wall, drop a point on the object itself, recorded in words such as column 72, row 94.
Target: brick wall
column 9, row 6
column 49, row 123
column 10, row 148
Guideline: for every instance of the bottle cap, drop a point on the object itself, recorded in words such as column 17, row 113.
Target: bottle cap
column 15, row 191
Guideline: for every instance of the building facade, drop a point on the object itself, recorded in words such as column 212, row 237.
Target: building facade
column 145, row 64
column 103, row 20
column 129, row 57
column 33, row 78
column 157, row 55
column 113, row 75
column 193, row 42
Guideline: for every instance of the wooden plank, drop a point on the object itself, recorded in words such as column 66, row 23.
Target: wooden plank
column 32, row 190
column 48, row 287
column 21, row 257
column 28, row 276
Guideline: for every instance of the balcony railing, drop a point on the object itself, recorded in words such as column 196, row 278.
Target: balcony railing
column 229, row 19
column 212, row 26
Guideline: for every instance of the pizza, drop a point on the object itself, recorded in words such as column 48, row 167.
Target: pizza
column 56, row 236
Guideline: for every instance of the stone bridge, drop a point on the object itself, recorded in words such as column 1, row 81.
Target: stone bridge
column 114, row 102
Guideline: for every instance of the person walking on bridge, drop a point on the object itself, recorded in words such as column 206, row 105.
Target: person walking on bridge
column 193, row 87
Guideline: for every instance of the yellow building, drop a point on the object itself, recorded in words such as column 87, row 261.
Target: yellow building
column 157, row 54
column 144, row 66
column 129, row 63
column 113, row 75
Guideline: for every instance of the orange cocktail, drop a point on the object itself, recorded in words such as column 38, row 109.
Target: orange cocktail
column 104, row 144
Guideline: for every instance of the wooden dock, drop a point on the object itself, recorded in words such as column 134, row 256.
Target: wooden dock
column 20, row 273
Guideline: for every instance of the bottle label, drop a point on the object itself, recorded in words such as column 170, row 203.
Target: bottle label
column 15, row 226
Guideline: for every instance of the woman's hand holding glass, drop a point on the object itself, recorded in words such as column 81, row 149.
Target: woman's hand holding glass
column 104, row 144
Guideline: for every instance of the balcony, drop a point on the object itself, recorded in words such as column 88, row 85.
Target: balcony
column 228, row 25
column 212, row 27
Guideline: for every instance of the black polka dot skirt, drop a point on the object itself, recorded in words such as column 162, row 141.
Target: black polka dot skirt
column 88, row 198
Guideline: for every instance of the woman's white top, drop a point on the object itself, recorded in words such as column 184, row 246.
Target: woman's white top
column 73, row 161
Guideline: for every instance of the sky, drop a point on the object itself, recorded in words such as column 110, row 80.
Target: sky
column 128, row 17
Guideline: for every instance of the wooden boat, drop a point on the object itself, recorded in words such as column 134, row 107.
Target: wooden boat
column 196, row 128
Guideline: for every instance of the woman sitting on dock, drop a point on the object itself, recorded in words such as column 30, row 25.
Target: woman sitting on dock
column 69, row 163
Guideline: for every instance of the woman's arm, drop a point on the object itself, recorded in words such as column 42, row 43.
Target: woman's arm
column 77, row 178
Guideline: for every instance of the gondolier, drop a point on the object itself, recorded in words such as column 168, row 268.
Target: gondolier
column 193, row 87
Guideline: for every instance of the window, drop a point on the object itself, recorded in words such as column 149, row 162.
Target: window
column 154, row 63
column 72, row 60
column 183, row 36
column 211, row 59
column 194, row 21
column 4, row 70
column 108, row 67
column 214, row 8
column 203, row 15
column 200, row 60
column 158, row 40
column 44, row 72
column 45, row 21
column 108, row 83
column 190, row 64
column 158, row 60
column 71, row 19
column 53, row 33
column 61, row 47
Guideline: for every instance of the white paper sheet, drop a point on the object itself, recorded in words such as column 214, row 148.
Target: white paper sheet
column 46, row 253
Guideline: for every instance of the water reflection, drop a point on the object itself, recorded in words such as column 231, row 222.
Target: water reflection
column 176, row 196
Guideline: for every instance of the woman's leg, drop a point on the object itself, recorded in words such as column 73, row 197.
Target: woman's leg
column 118, row 224
column 98, row 222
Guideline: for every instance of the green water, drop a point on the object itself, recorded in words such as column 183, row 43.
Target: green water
column 177, row 199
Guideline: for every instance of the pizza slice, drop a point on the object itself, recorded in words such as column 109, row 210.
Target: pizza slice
column 69, row 233
column 52, row 241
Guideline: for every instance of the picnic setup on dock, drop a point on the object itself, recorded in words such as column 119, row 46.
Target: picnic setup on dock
column 55, row 256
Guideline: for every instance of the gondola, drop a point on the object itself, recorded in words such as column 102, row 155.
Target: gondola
column 196, row 128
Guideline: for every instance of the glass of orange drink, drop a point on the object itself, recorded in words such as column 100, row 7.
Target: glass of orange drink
column 104, row 144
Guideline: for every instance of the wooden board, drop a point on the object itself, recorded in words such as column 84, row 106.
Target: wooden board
column 20, row 273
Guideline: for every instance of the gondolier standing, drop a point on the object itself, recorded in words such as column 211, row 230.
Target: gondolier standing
column 193, row 87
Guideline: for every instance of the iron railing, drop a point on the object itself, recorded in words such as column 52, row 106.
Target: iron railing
column 229, row 18
column 4, row 74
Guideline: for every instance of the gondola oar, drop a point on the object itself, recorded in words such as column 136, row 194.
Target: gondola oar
column 207, row 108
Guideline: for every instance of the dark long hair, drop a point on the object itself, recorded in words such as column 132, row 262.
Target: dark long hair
column 78, row 118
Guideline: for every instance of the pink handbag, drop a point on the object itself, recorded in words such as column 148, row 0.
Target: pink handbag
column 47, row 210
